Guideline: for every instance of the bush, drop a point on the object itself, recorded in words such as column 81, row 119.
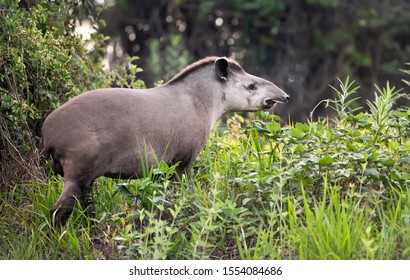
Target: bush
column 43, row 62
column 329, row 189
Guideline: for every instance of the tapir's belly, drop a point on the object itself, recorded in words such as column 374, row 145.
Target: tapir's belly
column 130, row 165
column 124, row 155
column 137, row 159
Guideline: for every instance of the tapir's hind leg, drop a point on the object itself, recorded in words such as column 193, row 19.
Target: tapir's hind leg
column 62, row 209
column 77, row 162
column 73, row 187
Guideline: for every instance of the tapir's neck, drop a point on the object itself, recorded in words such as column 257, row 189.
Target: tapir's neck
column 206, row 93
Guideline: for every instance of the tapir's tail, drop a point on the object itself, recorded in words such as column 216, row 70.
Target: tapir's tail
column 46, row 151
column 56, row 166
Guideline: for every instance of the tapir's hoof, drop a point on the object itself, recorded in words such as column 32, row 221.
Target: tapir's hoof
column 60, row 214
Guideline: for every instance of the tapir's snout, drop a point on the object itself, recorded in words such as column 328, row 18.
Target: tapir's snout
column 278, row 95
column 281, row 97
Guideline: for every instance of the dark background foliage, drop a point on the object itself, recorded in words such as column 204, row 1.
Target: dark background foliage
column 303, row 45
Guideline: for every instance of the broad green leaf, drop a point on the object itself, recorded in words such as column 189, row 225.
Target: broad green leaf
column 302, row 127
column 325, row 161
column 395, row 175
column 296, row 133
column 273, row 127
column 393, row 145
column 389, row 162
column 351, row 148
column 372, row 173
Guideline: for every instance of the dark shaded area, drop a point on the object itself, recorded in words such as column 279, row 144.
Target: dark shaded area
column 302, row 46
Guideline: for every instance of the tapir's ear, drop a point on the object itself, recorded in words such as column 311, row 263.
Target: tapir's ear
column 221, row 68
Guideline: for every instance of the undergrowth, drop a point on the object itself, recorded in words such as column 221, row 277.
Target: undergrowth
column 330, row 189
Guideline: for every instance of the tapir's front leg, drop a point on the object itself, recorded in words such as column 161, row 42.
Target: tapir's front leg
column 182, row 169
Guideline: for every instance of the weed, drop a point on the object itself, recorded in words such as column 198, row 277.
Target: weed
column 316, row 190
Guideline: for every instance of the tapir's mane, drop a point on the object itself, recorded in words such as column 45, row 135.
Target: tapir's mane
column 201, row 63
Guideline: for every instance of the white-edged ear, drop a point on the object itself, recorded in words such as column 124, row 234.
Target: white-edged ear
column 221, row 68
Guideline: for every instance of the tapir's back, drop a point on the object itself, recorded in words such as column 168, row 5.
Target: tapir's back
column 96, row 113
column 113, row 128
column 102, row 111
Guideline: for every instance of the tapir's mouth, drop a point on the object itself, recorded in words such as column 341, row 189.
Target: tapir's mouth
column 269, row 102
column 268, row 106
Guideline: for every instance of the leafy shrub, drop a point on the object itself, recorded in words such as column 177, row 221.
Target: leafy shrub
column 43, row 62
column 334, row 189
column 331, row 189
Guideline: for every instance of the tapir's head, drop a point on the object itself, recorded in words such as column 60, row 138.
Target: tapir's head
column 243, row 91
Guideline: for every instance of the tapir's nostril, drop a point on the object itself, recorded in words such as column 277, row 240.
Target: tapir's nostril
column 287, row 98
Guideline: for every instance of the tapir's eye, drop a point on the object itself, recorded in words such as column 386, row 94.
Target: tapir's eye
column 252, row 87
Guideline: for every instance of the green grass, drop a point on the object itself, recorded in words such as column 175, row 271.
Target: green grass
column 331, row 189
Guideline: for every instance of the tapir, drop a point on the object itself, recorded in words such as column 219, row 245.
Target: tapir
column 117, row 132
